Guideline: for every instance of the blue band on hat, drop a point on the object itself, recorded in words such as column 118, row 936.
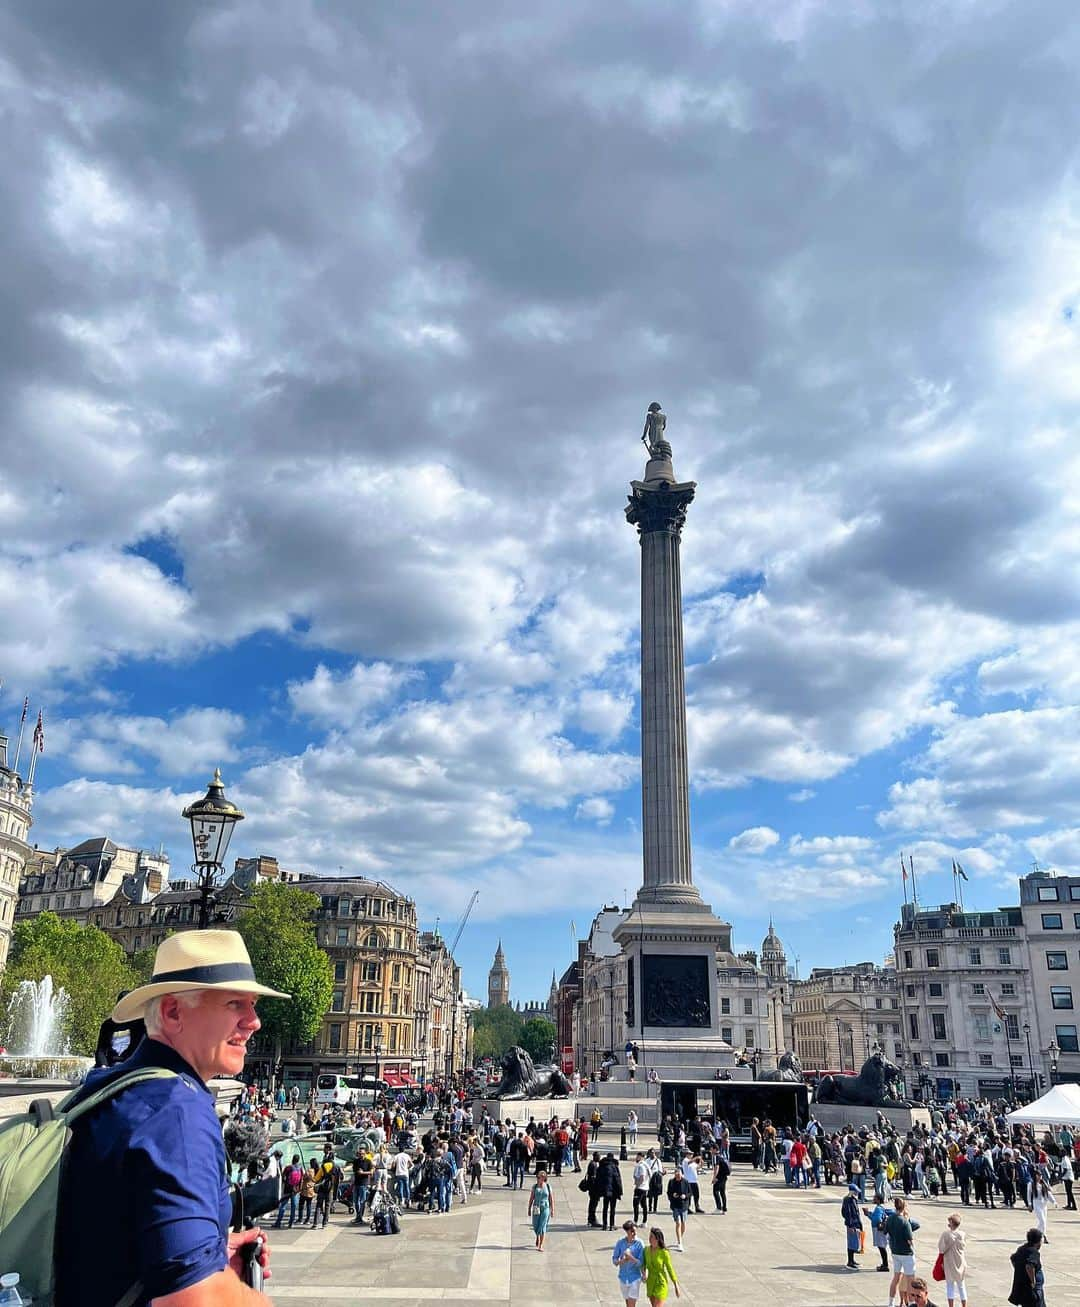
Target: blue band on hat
column 214, row 974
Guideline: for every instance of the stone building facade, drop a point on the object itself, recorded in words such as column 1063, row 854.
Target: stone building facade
column 16, row 802
column 966, row 992
column 76, row 882
column 839, row 1015
column 1050, row 911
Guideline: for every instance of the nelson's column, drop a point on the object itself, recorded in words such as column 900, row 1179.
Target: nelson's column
column 669, row 937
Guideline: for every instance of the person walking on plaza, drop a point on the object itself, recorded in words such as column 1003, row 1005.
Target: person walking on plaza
column 611, row 1190
column 659, row 1271
column 307, row 1192
column 592, row 1187
column 1068, row 1175
column 641, row 1188
column 721, row 1172
column 901, row 1230
column 690, row 1175
column 629, row 1258
column 631, row 1128
column 1041, row 1199
column 877, row 1216
column 678, row 1194
column 656, row 1179
column 363, row 1169
column 849, row 1211
column 1027, row 1285
column 541, row 1208
column 954, row 1260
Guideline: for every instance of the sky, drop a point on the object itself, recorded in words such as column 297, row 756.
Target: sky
column 327, row 336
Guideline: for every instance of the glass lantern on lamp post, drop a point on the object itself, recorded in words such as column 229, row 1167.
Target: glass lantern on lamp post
column 212, row 820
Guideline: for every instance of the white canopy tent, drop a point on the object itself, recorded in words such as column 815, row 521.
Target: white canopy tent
column 1058, row 1106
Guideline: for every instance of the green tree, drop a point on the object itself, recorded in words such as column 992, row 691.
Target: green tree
column 537, row 1037
column 81, row 959
column 278, row 926
column 495, row 1029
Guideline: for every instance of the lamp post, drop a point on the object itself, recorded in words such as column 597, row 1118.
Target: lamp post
column 839, row 1047
column 212, row 820
column 378, row 1047
column 1031, row 1064
column 1053, row 1050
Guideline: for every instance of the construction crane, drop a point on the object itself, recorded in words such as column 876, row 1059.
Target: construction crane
column 453, row 1010
column 464, row 919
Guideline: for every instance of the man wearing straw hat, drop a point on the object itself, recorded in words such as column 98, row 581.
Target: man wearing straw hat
column 144, row 1204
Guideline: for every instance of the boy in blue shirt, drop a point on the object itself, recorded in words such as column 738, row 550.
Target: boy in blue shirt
column 629, row 1257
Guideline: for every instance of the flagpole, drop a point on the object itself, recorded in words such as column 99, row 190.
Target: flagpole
column 22, row 728
column 914, row 882
column 903, row 876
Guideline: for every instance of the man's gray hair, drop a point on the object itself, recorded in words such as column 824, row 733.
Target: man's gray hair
column 190, row 998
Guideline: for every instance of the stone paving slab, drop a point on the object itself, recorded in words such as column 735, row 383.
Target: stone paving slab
column 776, row 1245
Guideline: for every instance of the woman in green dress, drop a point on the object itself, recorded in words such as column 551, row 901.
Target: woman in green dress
column 541, row 1208
column 658, row 1269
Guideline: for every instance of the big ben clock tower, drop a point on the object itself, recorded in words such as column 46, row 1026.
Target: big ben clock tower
column 498, row 980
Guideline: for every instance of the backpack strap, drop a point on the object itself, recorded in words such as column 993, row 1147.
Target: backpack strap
column 73, row 1107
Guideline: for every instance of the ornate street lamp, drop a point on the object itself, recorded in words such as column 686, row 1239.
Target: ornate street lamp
column 1053, row 1050
column 212, row 820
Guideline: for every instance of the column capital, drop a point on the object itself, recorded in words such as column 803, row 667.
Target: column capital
column 659, row 507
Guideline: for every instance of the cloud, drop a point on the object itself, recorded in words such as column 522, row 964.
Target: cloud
column 1006, row 770
column 194, row 740
column 341, row 700
column 599, row 810
column 754, row 840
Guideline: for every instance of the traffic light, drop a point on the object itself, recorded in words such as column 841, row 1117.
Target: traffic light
column 1042, row 1080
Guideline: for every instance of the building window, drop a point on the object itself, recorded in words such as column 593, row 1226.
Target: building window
column 938, row 1021
column 909, row 990
column 1047, row 893
column 1074, row 893
column 393, row 1039
column 748, row 1007
column 933, row 958
column 1061, row 996
column 725, row 1006
column 344, row 906
column 1076, row 920
column 877, row 1002
column 369, row 971
column 749, row 1037
column 376, row 907
column 342, row 936
column 1004, row 957
column 1051, row 920
column 1016, row 1059
column 339, row 971
column 975, row 957
column 395, row 999
column 982, row 1025
column 1012, row 1025
column 337, row 1001
column 1066, row 1038
column 335, row 1039
column 907, row 958
column 395, row 978
column 727, row 1034
column 935, row 989
column 978, row 987
column 941, row 1059
column 913, row 1025
column 1057, row 961
column 1008, row 988
column 986, row 1059
column 373, row 939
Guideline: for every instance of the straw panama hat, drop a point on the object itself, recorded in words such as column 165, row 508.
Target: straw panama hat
column 195, row 959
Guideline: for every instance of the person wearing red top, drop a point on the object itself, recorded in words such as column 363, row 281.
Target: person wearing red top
column 798, row 1156
column 582, row 1143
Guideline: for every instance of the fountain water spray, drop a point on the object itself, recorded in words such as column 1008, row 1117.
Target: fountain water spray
column 36, row 1016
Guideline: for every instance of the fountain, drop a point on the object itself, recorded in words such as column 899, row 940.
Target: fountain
column 37, row 1045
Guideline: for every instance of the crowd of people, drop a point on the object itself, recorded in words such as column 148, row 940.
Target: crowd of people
column 968, row 1155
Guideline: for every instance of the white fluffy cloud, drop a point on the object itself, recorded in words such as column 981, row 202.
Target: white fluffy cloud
column 756, row 839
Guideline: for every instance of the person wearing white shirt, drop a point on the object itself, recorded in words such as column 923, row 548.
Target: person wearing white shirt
column 641, row 1188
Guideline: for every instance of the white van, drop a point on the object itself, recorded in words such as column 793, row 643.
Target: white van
column 333, row 1089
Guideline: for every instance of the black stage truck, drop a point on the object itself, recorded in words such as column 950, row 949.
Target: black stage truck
column 737, row 1102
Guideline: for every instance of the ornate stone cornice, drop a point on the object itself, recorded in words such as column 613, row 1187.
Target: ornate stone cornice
column 659, row 507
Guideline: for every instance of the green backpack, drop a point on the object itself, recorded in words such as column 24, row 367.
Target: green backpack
column 31, row 1159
